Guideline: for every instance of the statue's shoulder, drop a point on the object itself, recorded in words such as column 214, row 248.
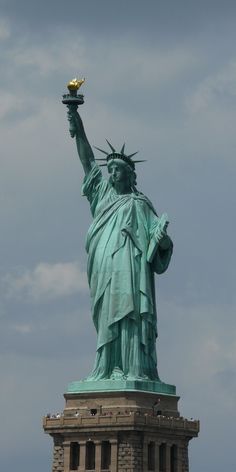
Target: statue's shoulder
column 143, row 198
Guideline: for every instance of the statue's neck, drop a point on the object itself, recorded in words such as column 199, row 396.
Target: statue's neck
column 122, row 188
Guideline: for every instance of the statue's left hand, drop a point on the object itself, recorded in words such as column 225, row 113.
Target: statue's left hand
column 165, row 242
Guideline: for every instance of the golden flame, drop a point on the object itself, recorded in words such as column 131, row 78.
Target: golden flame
column 75, row 84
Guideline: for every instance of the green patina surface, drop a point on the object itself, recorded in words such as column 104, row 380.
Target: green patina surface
column 121, row 385
column 127, row 244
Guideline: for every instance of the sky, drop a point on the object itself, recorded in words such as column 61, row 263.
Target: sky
column 160, row 76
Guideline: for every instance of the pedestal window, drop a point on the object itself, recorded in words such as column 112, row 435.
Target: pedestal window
column 74, row 456
column 106, row 455
column 90, row 456
column 162, row 457
column 173, row 458
column 151, row 456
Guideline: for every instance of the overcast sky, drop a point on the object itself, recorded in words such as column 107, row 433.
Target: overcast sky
column 161, row 76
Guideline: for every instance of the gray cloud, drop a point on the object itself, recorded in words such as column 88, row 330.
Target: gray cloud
column 45, row 281
column 162, row 19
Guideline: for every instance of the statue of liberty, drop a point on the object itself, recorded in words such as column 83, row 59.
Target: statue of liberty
column 127, row 243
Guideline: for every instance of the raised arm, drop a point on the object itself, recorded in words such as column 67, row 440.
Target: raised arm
column 76, row 129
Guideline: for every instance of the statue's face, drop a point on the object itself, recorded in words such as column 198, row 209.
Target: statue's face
column 118, row 172
column 119, row 176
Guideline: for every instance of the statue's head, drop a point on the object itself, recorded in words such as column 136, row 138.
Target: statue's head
column 121, row 166
column 121, row 175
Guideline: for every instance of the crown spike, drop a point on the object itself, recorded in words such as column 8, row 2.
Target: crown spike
column 101, row 150
column 131, row 155
column 109, row 144
column 117, row 155
column 122, row 149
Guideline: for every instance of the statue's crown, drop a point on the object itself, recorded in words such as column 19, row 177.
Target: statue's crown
column 118, row 155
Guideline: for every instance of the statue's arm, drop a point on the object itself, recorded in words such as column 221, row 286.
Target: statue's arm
column 76, row 129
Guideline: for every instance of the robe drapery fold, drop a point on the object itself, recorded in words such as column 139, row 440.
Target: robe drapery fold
column 121, row 279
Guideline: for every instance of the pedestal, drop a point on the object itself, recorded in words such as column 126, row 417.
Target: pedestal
column 125, row 431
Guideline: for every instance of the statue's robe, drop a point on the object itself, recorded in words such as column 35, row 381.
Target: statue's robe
column 121, row 279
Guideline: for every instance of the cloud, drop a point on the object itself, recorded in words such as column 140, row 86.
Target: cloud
column 214, row 89
column 11, row 104
column 4, row 29
column 146, row 67
column 22, row 329
column 196, row 329
column 45, row 282
column 166, row 19
column 131, row 66
column 49, row 61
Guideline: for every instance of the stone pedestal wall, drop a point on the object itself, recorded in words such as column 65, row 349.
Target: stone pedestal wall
column 138, row 436
column 130, row 453
column 58, row 455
